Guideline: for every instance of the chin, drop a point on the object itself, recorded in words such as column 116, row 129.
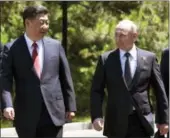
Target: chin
column 42, row 34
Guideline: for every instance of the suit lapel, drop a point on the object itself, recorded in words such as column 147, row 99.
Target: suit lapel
column 26, row 50
column 26, row 55
column 118, row 63
column 137, row 72
column 46, row 50
column 119, row 67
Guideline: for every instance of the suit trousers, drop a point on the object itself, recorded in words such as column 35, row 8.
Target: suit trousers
column 46, row 128
column 49, row 131
column 135, row 128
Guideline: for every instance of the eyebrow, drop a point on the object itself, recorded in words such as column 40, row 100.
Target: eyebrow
column 121, row 32
column 44, row 19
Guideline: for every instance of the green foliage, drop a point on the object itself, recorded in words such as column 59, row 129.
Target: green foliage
column 91, row 27
column 153, row 25
column 11, row 19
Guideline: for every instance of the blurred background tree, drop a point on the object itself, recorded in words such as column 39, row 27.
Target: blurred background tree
column 91, row 27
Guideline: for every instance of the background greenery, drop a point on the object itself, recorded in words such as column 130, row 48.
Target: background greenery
column 91, row 32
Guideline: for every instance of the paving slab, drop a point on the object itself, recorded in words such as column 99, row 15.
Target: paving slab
column 83, row 133
column 79, row 129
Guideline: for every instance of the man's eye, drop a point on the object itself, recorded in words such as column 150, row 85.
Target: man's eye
column 42, row 22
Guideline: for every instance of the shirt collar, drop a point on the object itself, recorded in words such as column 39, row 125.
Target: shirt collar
column 30, row 42
column 132, row 51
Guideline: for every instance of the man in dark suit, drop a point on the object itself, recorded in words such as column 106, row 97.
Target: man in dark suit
column 127, row 73
column 164, row 67
column 44, row 93
column 0, row 59
column 0, row 47
column 0, row 55
column 0, row 73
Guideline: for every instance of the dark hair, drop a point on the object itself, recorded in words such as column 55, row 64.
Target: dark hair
column 31, row 12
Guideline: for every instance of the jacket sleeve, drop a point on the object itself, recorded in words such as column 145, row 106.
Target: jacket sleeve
column 97, row 91
column 161, row 98
column 7, row 77
column 164, row 68
column 66, row 82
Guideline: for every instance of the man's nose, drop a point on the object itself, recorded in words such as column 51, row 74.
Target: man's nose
column 45, row 26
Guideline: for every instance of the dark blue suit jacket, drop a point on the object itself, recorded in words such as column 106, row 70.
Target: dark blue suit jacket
column 164, row 67
column 0, row 72
column 54, row 88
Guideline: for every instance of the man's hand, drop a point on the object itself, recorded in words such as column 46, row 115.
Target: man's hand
column 9, row 113
column 163, row 128
column 70, row 115
column 98, row 124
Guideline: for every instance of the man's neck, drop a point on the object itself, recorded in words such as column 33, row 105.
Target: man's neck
column 32, row 37
column 127, row 49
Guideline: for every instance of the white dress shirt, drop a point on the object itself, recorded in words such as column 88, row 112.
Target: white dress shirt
column 40, row 49
column 132, row 60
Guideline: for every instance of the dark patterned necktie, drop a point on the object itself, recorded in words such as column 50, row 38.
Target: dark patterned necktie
column 127, row 73
column 128, row 77
column 36, row 59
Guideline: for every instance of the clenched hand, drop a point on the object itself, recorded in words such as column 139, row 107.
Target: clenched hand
column 9, row 113
column 70, row 115
column 98, row 124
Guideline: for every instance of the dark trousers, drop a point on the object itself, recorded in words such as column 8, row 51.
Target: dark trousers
column 135, row 128
column 49, row 131
column 46, row 128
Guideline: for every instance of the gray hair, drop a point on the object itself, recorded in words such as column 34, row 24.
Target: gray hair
column 127, row 25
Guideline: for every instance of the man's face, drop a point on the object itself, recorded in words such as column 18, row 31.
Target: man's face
column 38, row 26
column 124, row 38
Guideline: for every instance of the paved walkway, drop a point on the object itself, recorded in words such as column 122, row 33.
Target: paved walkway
column 83, row 133
column 72, row 133
column 80, row 129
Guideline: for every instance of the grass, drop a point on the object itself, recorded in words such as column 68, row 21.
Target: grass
column 7, row 123
column 81, row 119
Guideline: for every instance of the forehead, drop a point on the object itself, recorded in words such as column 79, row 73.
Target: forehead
column 122, row 31
column 41, row 17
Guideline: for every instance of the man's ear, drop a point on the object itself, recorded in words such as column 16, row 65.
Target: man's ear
column 27, row 22
column 135, row 36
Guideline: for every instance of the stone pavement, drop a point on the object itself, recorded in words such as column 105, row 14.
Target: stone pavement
column 83, row 133
column 74, row 133
column 79, row 129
